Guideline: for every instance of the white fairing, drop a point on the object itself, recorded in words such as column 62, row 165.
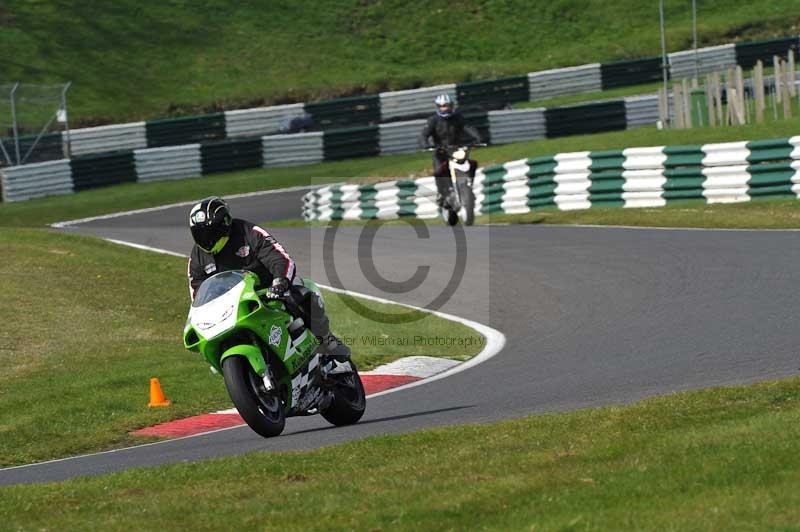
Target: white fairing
column 463, row 167
column 219, row 315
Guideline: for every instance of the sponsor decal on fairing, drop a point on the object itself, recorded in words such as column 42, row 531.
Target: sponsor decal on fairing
column 275, row 335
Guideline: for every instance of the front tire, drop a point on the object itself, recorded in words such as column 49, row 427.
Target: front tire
column 349, row 400
column 261, row 410
column 467, row 212
column 449, row 217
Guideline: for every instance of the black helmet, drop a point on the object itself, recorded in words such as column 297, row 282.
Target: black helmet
column 210, row 223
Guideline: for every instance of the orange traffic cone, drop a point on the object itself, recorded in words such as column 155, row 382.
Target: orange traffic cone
column 157, row 395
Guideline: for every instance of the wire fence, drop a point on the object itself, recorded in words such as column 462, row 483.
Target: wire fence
column 32, row 120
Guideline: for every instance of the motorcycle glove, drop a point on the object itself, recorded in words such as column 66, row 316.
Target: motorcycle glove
column 278, row 289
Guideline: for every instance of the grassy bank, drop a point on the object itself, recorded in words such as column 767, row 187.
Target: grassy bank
column 718, row 459
column 133, row 61
column 40, row 212
column 87, row 323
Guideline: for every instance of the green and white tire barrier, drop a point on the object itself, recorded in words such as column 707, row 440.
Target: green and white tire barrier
column 633, row 177
column 385, row 201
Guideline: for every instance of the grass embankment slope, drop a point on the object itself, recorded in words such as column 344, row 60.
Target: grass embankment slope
column 130, row 61
column 721, row 459
column 86, row 323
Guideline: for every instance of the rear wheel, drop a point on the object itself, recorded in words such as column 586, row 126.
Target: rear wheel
column 349, row 400
column 260, row 409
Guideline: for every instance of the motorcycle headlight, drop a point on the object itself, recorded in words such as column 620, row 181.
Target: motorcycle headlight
column 204, row 325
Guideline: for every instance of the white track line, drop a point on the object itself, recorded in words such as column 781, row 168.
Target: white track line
column 145, row 248
column 61, row 225
column 495, row 340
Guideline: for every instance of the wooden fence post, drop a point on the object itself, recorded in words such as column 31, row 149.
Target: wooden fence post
column 776, row 65
column 677, row 97
column 740, row 92
column 787, row 98
column 687, row 104
column 758, row 91
column 663, row 113
column 710, row 100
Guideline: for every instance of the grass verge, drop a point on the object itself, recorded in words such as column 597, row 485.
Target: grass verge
column 716, row 459
column 89, row 322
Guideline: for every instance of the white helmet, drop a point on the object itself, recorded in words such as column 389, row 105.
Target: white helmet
column 444, row 100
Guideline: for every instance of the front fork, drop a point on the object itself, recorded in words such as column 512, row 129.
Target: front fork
column 455, row 194
column 455, row 190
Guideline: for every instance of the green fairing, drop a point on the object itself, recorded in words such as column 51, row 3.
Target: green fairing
column 259, row 318
column 251, row 353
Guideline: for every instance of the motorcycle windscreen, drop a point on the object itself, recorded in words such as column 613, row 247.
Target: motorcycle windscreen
column 216, row 286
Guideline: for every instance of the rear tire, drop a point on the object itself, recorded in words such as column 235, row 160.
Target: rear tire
column 261, row 410
column 349, row 400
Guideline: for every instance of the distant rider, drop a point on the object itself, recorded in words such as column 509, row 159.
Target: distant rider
column 445, row 129
column 223, row 243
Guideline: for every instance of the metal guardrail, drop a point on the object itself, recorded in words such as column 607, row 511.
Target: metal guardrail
column 516, row 126
column 564, row 81
column 641, row 110
column 150, row 164
column 633, row 72
column 232, row 154
column 412, row 103
column 400, row 137
column 748, row 53
column 185, row 130
column 129, row 136
column 345, row 112
column 586, row 118
column 175, row 162
column 260, row 121
column 711, row 59
column 293, row 150
column 492, row 94
column 37, row 180
column 103, row 169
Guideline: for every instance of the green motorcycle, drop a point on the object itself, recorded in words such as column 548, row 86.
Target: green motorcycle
column 270, row 361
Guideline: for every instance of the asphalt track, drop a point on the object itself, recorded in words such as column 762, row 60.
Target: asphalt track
column 592, row 316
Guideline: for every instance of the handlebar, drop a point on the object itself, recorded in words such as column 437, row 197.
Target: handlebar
column 449, row 148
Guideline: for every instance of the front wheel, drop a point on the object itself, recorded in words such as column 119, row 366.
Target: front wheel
column 349, row 400
column 260, row 409
column 467, row 212
column 449, row 217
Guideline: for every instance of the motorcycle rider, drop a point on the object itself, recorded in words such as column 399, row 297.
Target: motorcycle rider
column 445, row 128
column 223, row 243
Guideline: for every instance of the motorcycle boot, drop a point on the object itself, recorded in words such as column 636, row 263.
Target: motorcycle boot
column 331, row 348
